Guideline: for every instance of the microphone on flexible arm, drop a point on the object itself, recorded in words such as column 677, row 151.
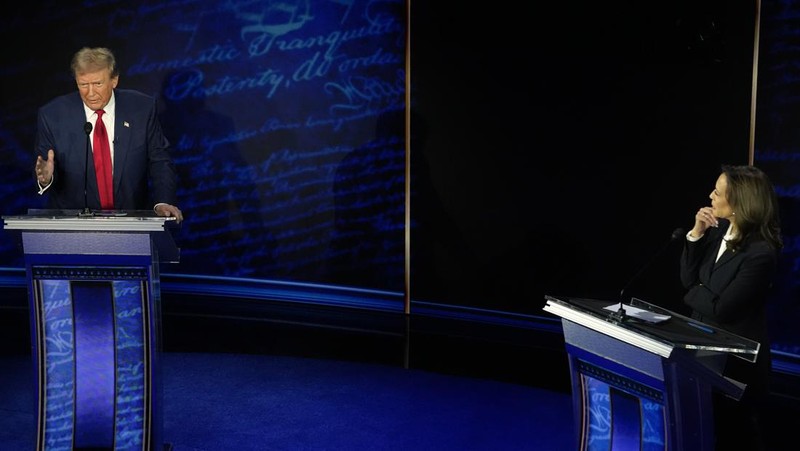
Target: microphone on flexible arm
column 87, row 127
column 619, row 315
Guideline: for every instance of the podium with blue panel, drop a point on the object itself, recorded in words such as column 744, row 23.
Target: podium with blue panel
column 93, row 284
column 643, row 376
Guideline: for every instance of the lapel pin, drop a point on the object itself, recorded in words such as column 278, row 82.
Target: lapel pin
column 126, row 124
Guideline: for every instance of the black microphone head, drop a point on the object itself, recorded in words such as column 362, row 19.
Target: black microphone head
column 677, row 233
column 87, row 127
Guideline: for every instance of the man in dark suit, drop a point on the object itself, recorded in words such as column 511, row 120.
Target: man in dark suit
column 123, row 121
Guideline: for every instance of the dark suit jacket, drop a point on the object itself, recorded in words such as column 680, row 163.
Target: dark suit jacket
column 732, row 292
column 143, row 170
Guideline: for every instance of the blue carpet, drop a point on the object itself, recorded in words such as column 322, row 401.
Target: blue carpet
column 215, row 402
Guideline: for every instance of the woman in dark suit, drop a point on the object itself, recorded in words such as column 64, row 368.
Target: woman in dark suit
column 729, row 259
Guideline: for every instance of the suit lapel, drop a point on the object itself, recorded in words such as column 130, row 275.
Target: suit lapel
column 121, row 145
column 728, row 254
column 726, row 257
column 710, row 264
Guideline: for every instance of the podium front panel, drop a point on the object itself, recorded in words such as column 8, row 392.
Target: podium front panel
column 93, row 356
column 86, row 243
column 619, row 392
column 94, row 297
column 642, row 385
column 638, row 422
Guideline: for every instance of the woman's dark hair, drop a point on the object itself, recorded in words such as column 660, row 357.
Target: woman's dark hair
column 754, row 202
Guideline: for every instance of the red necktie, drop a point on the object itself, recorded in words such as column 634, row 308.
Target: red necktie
column 102, row 163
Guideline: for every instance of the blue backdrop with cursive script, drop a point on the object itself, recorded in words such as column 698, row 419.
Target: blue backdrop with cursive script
column 286, row 120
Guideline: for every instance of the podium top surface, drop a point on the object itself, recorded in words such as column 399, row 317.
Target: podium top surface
column 662, row 337
column 98, row 221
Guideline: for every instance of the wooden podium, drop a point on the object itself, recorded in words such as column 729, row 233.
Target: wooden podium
column 93, row 284
column 644, row 380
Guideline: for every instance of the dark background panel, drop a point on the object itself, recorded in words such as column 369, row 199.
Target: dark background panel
column 564, row 143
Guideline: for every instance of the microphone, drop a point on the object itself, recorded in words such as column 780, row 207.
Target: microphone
column 87, row 127
column 620, row 313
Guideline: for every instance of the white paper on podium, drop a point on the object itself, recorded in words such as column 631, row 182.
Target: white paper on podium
column 635, row 312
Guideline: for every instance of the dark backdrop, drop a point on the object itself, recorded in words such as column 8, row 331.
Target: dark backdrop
column 560, row 146
column 566, row 142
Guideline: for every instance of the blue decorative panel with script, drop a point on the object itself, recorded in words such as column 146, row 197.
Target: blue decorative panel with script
column 131, row 364
column 286, row 118
column 95, row 339
column 59, row 352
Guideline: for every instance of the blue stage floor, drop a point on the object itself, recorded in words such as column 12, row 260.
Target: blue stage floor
column 244, row 376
